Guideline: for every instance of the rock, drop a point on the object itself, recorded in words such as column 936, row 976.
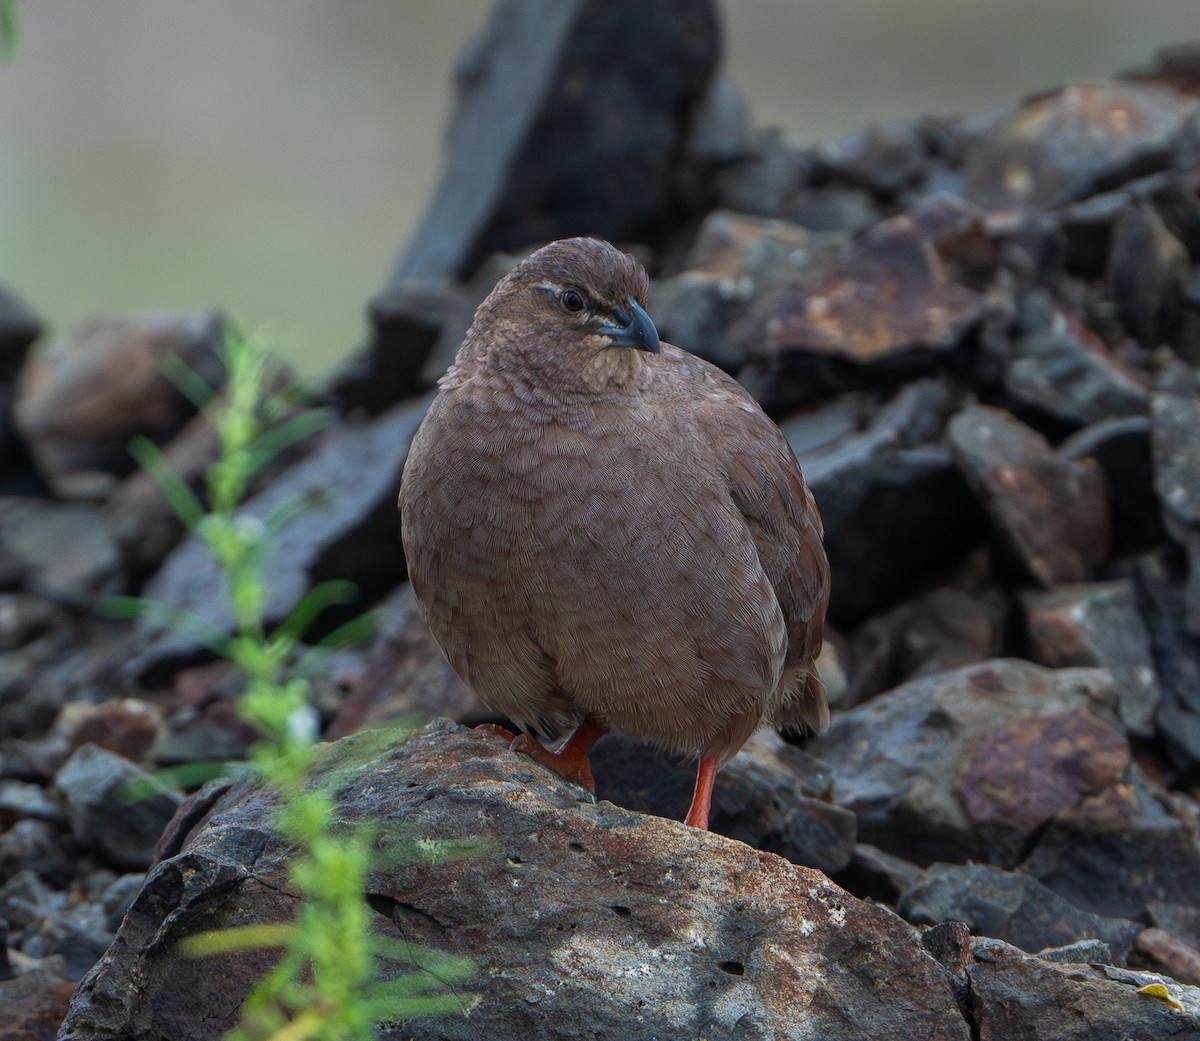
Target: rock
column 1180, row 959
column 53, row 925
column 1048, row 510
column 19, row 799
column 1122, row 448
column 408, row 319
column 1176, row 64
column 766, row 181
column 129, row 727
column 1028, row 771
column 832, row 208
column 886, row 484
column 76, row 933
column 348, row 532
column 584, row 920
column 207, row 737
column 1094, row 853
column 1098, row 624
column 891, row 302
column 770, row 796
column 19, row 327
column 1147, row 268
column 542, row 106
column 720, row 134
column 62, row 551
column 1064, row 146
column 1181, row 920
column 958, row 231
column 1009, row 906
column 1062, row 369
column 734, row 259
column 403, row 672
column 901, row 762
column 885, row 159
column 1176, row 658
column 1175, row 443
column 1015, row 997
column 145, row 525
column 83, row 398
column 1089, row 225
column 942, row 630
column 24, row 617
column 34, row 1004
column 115, row 808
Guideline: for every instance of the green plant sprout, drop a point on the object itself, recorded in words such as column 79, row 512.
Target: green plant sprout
column 326, row 985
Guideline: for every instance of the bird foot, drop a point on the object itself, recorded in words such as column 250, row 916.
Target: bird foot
column 568, row 764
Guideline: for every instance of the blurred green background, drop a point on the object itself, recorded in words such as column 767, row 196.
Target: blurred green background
column 270, row 157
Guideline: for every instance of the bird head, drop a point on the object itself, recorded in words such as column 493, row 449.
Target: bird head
column 571, row 315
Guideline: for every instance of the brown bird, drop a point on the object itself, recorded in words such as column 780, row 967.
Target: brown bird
column 607, row 531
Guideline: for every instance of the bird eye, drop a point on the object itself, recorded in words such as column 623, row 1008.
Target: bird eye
column 572, row 300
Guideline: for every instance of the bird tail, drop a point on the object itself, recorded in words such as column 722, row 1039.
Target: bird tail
column 803, row 704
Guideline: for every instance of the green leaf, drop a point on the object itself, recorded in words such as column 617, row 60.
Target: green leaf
column 165, row 616
column 236, row 938
column 190, row 776
column 287, row 512
column 271, row 442
column 188, row 508
column 188, row 381
column 316, row 600
column 354, row 631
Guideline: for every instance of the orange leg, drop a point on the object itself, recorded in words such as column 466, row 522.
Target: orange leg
column 570, row 761
column 706, row 773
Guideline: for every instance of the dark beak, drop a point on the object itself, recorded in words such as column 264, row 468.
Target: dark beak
column 630, row 326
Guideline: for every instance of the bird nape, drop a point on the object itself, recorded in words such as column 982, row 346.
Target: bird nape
column 606, row 532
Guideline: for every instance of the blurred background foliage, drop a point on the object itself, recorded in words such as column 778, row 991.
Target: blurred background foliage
column 270, row 158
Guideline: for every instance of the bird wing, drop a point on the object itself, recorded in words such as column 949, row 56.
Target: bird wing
column 768, row 488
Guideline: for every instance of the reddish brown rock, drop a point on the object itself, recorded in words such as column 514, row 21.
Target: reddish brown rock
column 33, row 1005
column 1051, row 511
column 1030, row 769
column 735, row 260
column 83, row 398
column 890, row 299
column 1065, row 145
column 128, row 727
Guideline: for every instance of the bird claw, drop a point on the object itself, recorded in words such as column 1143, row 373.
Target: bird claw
column 573, row 768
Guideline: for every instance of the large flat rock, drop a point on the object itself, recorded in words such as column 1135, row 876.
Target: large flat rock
column 585, row 920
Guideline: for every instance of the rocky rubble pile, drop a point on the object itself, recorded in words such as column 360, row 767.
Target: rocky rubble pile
column 980, row 335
